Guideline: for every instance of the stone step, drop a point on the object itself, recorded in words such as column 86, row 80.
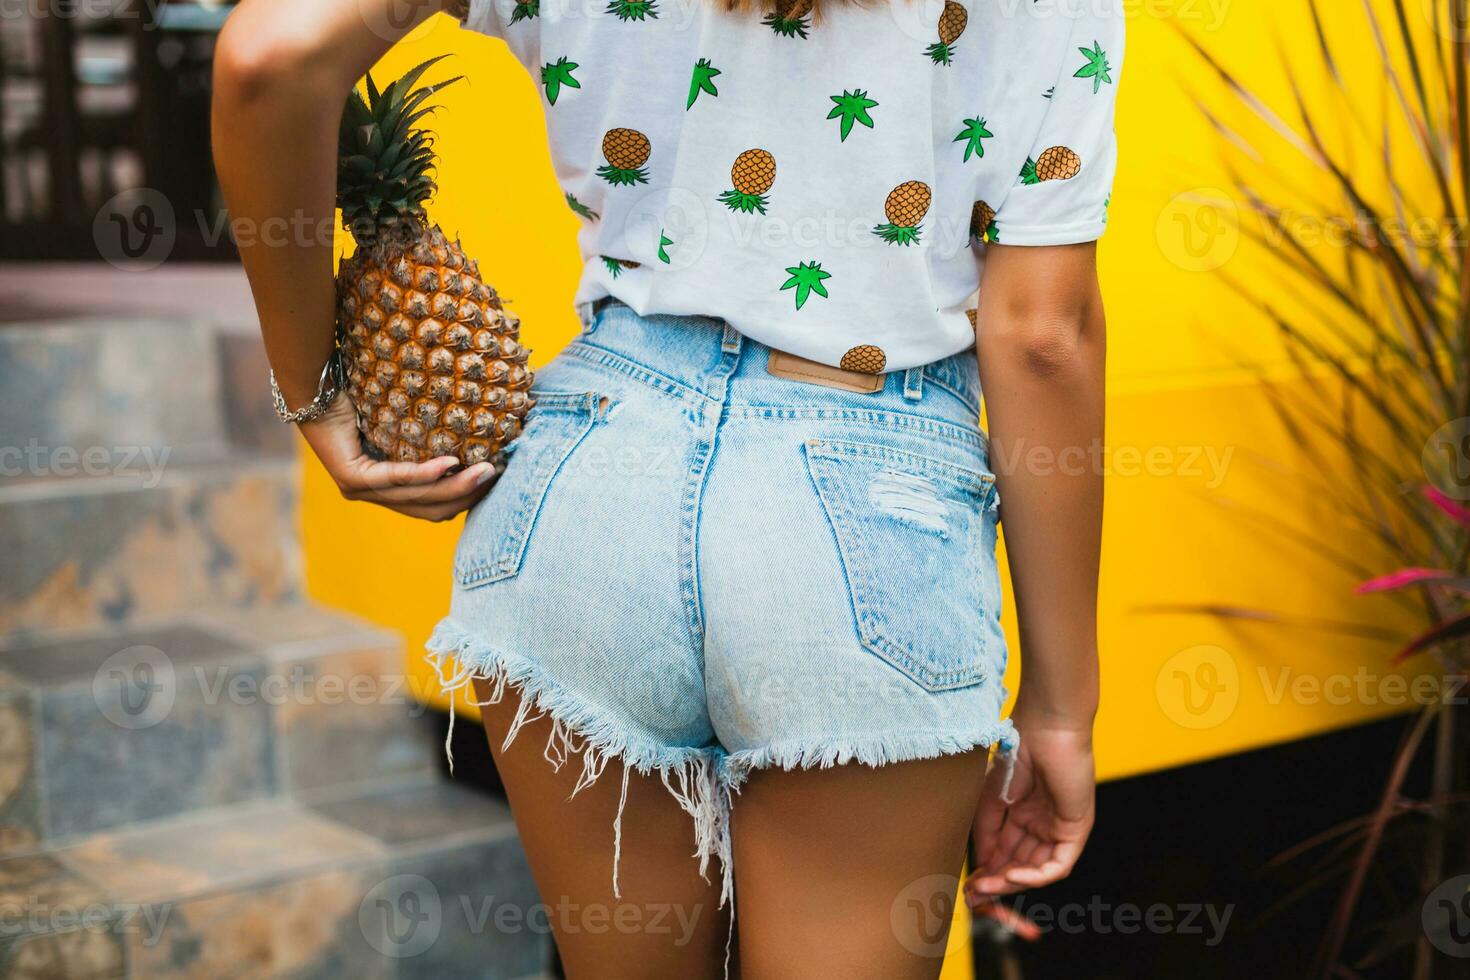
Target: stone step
column 414, row 879
column 137, row 548
column 116, row 396
column 106, row 729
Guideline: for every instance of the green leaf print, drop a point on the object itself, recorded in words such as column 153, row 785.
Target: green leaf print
column 790, row 19
column 972, row 135
column 703, row 81
column 1097, row 67
column 525, row 11
column 615, row 267
column 664, row 241
column 554, row 76
column 851, row 107
column 633, row 9
column 579, row 209
column 806, row 278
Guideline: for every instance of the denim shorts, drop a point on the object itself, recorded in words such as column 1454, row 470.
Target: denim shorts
column 698, row 568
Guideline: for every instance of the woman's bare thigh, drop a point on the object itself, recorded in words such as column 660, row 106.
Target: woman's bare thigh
column 851, row 871
column 666, row 922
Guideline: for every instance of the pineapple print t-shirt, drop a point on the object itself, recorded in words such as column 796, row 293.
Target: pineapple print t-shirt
column 827, row 185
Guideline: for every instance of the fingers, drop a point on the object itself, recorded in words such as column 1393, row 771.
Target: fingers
column 363, row 478
column 1063, row 857
column 441, row 511
column 444, row 490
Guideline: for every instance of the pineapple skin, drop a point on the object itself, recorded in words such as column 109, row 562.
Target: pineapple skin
column 433, row 360
column 753, row 172
column 907, row 203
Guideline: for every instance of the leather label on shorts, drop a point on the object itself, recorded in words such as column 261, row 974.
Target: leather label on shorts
column 784, row 365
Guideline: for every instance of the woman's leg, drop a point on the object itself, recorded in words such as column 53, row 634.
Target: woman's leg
column 852, row 871
column 667, row 923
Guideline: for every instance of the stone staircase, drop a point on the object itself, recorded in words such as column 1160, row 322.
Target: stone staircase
column 202, row 774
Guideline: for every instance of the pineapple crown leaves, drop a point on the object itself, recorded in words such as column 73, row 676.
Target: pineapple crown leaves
column 384, row 159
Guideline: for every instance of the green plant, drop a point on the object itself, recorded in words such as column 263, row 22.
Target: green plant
column 1379, row 332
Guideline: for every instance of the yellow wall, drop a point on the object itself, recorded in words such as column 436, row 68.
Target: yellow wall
column 1175, row 688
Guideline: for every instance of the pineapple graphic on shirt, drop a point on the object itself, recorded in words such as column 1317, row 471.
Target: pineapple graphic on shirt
column 1096, row 68
column 633, row 9
column 702, row 82
column 904, row 208
column 982, row 223
column 973, row 136
column 790, row 18
column 558, row 75
column 864, row 358
column 525, row 11
column 581, row 210
column 616, row 266
column 806, row 278
column 752, row 174
column 851, row 107
column 951, row 25
column 626, row 151
column 1057, row 163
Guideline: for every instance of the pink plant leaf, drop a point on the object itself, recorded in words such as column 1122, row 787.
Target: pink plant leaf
column 1406, row 577
column 1452, row 629
column 1456, row 510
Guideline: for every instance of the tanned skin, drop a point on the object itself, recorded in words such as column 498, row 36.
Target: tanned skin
column 821, row 855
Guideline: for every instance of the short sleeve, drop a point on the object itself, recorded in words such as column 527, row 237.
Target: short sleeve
column 1065, row 186
column 476, row 15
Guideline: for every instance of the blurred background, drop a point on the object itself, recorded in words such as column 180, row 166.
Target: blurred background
column 221, row 751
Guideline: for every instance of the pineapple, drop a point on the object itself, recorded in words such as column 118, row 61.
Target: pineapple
column 753, row 173
column 432, row 359
column 790, row 18
column 615, row 267
column 1057, row 163
column 865, row 358
column 982, row 223
column 951, row 25
column 905, row 208
column 633, row 9
column 626, row 151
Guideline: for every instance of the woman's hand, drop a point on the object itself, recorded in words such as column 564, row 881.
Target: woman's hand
column 1036, row 838
column 415, row 489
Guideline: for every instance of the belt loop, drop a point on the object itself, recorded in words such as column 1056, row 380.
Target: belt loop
column 913, row 383
column 732, row 339
column 587, row 313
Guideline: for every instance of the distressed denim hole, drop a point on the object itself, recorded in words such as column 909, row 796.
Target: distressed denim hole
column 911, row 499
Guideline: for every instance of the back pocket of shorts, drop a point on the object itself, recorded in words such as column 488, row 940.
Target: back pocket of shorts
column 493, row 545
column 917, row 544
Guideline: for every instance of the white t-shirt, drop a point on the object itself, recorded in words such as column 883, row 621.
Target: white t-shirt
column 826, row 184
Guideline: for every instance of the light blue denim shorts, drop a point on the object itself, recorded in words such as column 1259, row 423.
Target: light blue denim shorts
column 698, row 568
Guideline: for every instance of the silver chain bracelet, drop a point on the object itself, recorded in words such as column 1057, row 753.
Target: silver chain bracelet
column 327, row 389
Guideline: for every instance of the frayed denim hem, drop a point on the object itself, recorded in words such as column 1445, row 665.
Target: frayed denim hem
column 691, row 775
column 872, row 750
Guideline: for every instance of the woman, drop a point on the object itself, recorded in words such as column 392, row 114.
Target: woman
column 736, row 588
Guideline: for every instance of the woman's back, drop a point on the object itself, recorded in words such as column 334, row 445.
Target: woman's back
column 819, row 182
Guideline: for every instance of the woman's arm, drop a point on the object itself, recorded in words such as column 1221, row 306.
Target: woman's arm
column 283, row 69
column 1040, row 340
